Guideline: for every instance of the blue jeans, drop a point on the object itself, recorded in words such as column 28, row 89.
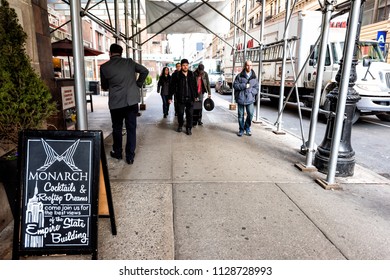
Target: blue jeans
column 245, row 125
column 165, row 104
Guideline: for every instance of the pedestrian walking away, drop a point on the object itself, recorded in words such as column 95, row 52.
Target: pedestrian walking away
column 203, row 86
column 118, row 76
column 246, row 87
column 163, row 87
column 184, row 92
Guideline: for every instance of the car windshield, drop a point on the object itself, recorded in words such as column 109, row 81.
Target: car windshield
column 369, row 50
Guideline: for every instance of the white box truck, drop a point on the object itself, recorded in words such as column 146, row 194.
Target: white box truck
column 373, row 74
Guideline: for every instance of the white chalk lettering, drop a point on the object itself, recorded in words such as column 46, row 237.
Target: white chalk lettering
column 60, row 187
column 53, row 198
column 70, row 197
column 33, row 229
column 71, row 222
column 70, row 236
column 58, row 176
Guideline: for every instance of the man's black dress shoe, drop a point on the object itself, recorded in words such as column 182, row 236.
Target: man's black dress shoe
column 129, row 161
column 114, row 155
column 189, row 132
column 179, row 129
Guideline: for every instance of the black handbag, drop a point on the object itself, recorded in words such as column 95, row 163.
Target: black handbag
column 197, row 105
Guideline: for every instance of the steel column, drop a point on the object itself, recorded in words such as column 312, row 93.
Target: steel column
column 232, row 104
column 339, row 127
column 78, row 60
column 327, row 13
column 259, row 74
column 283, row 78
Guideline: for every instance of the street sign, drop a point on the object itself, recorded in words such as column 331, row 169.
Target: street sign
column 381, row 38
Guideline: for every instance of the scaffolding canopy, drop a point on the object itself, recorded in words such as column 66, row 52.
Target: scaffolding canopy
column 184, row 14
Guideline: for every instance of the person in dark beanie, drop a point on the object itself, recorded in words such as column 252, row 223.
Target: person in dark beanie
column 118, row 76
column 184, row 90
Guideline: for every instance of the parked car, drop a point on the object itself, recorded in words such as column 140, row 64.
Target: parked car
column 222, row 87
column 214, row 77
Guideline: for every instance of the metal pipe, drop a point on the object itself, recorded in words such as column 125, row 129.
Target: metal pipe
column 178, row 20
column 283, row 78
column 78, row 59
column 259, row 74
column 105, row 26
column 137, row 29
column 139, row 44
column 126, row 7
column 116, row 15
column 348, row 53
column 198, row 22
column 327, row 13
column 246, row 29
column 133, row 31
column 234, row 48
column 157, row 20
column 297, row 96
column 234, row 23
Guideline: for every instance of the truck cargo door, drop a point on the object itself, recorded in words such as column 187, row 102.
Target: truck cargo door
column 310, row 76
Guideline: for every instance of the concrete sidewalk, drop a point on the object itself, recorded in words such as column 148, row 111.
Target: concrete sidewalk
column 214, row 195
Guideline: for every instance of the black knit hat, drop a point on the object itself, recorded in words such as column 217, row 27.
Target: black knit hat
column 184, row 61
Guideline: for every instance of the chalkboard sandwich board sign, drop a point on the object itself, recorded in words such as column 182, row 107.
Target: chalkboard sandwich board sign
column 59, row 181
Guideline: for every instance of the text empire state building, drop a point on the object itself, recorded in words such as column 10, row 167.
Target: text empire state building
column 35, row 216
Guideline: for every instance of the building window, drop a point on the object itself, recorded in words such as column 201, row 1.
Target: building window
column 251, row 23
column 99, row 41
column 252, row 4
column 383, row 13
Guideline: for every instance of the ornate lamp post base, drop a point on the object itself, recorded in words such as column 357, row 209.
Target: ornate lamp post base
column 345, row 166
column 346, row 156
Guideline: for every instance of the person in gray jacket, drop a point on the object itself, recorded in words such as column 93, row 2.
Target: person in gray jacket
column 246, row 87
column 203, row 86
column 118, row 76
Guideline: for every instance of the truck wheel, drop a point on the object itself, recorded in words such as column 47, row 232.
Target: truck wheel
column 274, row 101
column 385, row 116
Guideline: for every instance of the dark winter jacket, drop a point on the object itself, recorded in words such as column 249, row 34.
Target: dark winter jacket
column 163, row 85
column 205, row 81
column 183, row 87
column 242, row 94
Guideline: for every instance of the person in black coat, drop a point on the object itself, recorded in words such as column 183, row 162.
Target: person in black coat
column 178, row 68
column 184, row 89
column 163, row 87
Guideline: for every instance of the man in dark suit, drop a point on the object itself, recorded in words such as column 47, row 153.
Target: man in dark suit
column 118, row 76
